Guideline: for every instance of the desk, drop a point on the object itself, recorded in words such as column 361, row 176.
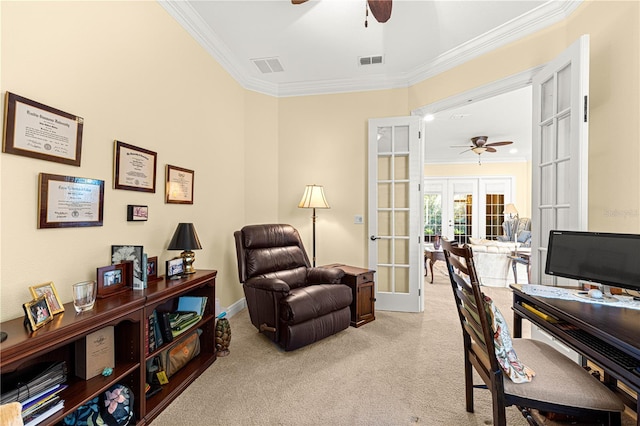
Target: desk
column 615, row 328
column 433, row 256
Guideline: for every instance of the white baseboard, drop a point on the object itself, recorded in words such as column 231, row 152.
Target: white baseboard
column 236, row 307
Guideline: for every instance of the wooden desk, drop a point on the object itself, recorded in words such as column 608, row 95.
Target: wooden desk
column 433, row 256
column 575, row 323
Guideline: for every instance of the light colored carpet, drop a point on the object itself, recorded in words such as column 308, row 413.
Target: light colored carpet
column 400, row 369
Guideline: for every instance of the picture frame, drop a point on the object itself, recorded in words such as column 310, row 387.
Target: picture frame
column 48, row 290
column 122, row 253
column 179, row 185
column 39, row 131
column 113, row 279
column 134, row 168
column 152, row 269
column 67, row 201
column 38, row 313
column 137, row 213
column 174, row 268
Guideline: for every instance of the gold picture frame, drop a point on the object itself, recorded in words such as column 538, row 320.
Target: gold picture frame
column 179, row 185
column 38, row 312
column 48, row 290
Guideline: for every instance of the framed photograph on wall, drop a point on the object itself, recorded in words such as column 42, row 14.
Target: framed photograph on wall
column 179, row 185
column 134, row 168
column 66, row 201
column 39, row 131
column 122, row 253
column 38, row 312
column 48, row 290
column 113, row 279
column 137, row 213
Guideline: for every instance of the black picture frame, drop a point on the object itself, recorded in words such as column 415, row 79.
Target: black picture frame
column 122, row 253
column 174, row 268
column 136, row 213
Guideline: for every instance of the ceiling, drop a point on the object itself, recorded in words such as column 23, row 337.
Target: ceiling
column 316, row 47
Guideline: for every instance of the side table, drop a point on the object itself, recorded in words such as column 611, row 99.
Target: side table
column 521, row 256
column 363, row 289
column 433, row 256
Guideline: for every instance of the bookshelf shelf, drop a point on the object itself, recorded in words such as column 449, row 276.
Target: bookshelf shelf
column 127, row 312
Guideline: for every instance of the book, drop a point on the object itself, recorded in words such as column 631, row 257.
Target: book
column 192, row 304
column 156, row 330
column 45, row 415
column 165, row 326
column 146, row 338
column 151, row 337
column 175, row 331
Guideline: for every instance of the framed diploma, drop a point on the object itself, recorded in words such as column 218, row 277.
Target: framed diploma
column 66, row 201
column 179, row 185
column 39, row 131
column 134, row 168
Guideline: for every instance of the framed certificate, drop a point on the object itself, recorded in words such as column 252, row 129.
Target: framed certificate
column 39, row 131
column 66, row 201
column 179, row 185
column 134, row 168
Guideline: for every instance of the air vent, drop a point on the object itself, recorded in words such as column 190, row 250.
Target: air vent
column 370, row 60
column 459, row 116
column 268, row 65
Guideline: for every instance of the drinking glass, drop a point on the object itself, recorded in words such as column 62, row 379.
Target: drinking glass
column 84, row 295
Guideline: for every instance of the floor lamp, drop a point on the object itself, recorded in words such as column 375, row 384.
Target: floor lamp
column 313, row 198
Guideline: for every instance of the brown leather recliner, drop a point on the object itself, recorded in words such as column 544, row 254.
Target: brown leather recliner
column 289, row 301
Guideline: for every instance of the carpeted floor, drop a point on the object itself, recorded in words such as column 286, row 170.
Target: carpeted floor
column 400, row 369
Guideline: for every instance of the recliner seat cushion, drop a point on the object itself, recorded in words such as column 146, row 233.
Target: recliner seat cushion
column 314, row 301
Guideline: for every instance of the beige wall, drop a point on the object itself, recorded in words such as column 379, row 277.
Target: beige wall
column 134, row 75
column 146, row 82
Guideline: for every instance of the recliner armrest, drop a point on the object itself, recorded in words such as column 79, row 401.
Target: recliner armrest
column 324, row 275
column 268, row 284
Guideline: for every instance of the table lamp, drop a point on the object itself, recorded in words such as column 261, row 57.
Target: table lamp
column 313, row 198
column 185, row 238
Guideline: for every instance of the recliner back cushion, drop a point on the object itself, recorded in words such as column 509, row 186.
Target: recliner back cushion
column 275, row 251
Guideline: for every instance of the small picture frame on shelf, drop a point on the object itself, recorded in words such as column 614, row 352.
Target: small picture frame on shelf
column 175, row 268
column 48, row 290
column 113, row 279
column 152, row 269
column 121, row 253
column 38, row 313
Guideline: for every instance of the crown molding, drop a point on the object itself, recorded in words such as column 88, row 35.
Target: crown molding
column 541, row 17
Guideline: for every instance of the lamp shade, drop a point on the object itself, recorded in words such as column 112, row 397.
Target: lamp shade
column 185, row 238
column 510, row 209
column 313, row 197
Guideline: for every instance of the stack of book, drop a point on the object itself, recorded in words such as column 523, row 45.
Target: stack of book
column 38, row 390
column 162, row 327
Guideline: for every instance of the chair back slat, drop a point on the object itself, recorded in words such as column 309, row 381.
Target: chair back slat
column 470, row 303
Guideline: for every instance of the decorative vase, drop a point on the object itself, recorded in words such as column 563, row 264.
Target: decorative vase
column 223, row 336
column 436, row 242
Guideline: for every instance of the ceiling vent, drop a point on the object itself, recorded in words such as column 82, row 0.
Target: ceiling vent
column 370, row 60
column 459, row 116
column 268, row 65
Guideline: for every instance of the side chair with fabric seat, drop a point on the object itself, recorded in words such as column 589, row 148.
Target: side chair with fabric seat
column 558, row 386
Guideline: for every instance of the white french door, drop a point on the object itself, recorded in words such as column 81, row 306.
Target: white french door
column 560, row 150
column 395, row 212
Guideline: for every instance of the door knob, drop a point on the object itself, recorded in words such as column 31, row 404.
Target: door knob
column 373, row 238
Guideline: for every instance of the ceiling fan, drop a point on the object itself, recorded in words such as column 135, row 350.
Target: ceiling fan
column 381, row 9
column 479, row 145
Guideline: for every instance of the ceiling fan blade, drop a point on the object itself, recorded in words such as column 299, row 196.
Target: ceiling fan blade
column 489, row 149
column 298, row 1
column 461, row 146
column 381, row 9
column 466, row 150
column 499, row 143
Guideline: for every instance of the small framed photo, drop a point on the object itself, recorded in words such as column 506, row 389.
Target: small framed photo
column 152, row 269
column 175, row 268
column 38, row 313
column 137, row 213
column 112, row 279
column 48, row 290
column 122, row 253
column 179, row 185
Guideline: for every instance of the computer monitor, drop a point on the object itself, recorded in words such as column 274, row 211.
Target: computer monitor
column 599, row 257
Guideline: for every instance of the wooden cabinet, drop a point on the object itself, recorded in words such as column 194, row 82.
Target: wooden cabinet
column 127, row 311
column 362, row 286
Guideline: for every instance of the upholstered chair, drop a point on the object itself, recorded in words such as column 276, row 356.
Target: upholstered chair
column 290, row 302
